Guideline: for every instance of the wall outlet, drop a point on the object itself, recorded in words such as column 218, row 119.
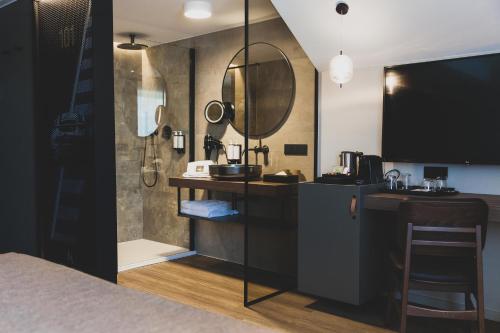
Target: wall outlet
column 296, row 149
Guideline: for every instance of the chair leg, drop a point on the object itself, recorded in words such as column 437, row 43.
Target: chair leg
column 406, row 279
column 392, row 302
column 480, row 312
column 469, row 306
column 468, row 302
column 391, row 310
column 404, row 308
column 388, row 310
column 479, row 276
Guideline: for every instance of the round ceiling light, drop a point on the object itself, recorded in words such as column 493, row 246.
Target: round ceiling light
column 198, row 9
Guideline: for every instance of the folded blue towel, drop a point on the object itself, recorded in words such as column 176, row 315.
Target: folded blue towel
column 207, row 208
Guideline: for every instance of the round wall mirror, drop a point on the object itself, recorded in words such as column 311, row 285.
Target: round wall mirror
column 271, row 89
column 145, row 100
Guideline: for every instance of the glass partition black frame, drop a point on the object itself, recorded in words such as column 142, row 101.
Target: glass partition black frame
column 248, row 301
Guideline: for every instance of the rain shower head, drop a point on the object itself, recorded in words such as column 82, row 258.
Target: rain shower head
column 132, row 45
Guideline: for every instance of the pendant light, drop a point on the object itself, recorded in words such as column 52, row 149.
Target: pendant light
column 341, row 67
column 198, row 9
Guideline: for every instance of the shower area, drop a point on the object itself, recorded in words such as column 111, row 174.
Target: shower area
column 152, row 121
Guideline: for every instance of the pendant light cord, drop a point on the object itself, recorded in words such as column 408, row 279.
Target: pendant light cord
column 341, row 31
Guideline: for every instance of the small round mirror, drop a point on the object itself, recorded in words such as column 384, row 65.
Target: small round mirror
column 214, row 112
column 271, row 89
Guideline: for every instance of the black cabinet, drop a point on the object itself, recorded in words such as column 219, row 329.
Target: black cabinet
column 338, row 254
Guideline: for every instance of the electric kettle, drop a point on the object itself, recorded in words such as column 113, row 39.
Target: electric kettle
column 349, row 162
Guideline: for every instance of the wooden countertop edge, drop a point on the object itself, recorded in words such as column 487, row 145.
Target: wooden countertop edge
column 238, row 187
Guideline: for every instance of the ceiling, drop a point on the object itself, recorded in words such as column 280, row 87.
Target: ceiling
column 163, row 21
column 389, row 32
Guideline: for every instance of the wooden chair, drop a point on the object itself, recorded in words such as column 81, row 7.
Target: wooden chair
column 441, row 250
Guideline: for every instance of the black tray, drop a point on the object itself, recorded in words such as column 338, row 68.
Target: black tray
column 337, row 179
column 441, row 193
column 288, row 179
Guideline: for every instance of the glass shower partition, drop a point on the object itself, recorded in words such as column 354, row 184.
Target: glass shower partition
column 280, row 136
column 270, row 233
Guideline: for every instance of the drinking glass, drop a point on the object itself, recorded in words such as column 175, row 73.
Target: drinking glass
column 406, row 180
column 429, row 185
column 440, row 184
column 392, row 182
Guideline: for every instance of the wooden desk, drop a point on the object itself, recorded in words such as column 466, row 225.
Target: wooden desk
column 390, row 202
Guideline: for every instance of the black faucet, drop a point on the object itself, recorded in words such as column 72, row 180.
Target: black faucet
column 261, row 149
column 211, row 144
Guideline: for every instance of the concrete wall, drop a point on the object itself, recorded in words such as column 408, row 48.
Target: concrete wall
column 161, row 222
column 150, row 212
column 128, row 148
column 213, row 54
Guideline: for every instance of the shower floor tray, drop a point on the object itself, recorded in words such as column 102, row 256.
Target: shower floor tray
column 143, row 252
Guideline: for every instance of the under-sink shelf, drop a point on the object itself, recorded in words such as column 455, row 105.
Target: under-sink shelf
column 254, row 220
column 227, row 218
column 279, row 191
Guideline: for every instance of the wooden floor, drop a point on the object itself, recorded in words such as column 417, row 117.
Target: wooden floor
column 217, row 287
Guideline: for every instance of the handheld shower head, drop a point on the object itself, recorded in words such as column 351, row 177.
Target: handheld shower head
column 133, row 46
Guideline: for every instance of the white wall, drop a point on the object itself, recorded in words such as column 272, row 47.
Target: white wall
column 351, row 119
column 351, row 116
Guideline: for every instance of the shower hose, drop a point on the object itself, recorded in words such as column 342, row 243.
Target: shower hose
column 155, row 162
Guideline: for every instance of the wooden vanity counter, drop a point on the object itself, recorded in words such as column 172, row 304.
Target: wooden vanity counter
column 255, row 188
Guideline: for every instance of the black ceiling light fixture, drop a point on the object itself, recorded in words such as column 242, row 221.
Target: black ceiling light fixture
column 133, row 46
column 342, row 8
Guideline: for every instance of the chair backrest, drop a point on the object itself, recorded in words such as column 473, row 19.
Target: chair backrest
column 446, row 220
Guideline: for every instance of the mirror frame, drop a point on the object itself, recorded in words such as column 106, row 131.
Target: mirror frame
column 290, row 104
column 222, row 107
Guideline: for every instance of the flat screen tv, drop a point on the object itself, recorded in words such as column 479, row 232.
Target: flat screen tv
column 445, row 111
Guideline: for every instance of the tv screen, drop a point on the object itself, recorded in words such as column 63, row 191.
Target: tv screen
column 444, row 111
